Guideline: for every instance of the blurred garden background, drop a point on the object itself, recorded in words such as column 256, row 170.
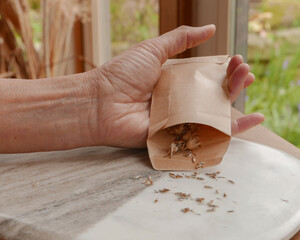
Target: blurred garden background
column 274, row 56
column 273, row 53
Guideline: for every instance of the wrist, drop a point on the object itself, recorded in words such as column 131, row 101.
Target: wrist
column 94, row 83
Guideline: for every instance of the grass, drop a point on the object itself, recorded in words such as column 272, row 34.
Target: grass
column 276, row 92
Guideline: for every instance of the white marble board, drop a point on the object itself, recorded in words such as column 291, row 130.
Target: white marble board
column 265, row 200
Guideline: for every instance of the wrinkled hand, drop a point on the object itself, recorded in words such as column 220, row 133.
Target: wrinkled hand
column 127, row 81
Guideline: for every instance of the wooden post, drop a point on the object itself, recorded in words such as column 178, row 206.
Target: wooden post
column 101, row 31
column 78, row 46
column 174, row 13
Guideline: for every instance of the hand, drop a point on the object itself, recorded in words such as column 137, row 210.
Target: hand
column 127, row 82
column 239, row 77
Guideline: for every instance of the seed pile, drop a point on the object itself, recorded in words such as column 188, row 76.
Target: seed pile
column 185, row 142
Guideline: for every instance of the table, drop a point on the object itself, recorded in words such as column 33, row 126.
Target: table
column 58, row 195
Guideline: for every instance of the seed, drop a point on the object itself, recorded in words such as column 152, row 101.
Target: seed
column 189, row 153
column 231, row 211
column 172, row 175
column 210, row 204
column 164, row 190
column 211, row 175
column 284, row 200
column 177, row 129
column 200, row 178
column 200, row 200
column 230, row 181
column 193, row 142
column 208, row 186
column 210, row 210
column 217, row 192
column 193, row 159
column 185, row 140
column 156, row 200
column 185, row 210
column 137, row 177
column 148, row 181
column 182, row 196
column 224, row 195
column 200, row 165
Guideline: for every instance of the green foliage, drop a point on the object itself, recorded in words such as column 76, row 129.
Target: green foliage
column 276, row 93
column 133, row 21
column 35, row 4
column 285, row 13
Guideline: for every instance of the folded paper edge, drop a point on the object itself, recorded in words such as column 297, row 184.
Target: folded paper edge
column 221, row 59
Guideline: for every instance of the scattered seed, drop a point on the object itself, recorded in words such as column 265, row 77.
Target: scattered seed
column 172, row 175
column 193, row 159
column 210, row 210
column 212, row 205
column 211, row 175
column 217, row 192
column 200, row 178
column 164, row 190
column 137, row 177
column 189, row 154
column 230, row 181
column 156, row 200
column 185, row 210
column 148, row 181
column 230, row 211
column 182, row 196
column 285, row 200
column 224, row 195
column 199, row 200
column 200, row 165
column 208, row 187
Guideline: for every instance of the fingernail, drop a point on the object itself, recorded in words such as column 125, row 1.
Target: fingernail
column 211, row 25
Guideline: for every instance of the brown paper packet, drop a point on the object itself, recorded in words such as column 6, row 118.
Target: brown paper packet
column 190, row 91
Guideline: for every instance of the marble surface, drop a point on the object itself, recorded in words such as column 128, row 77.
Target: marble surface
column 262, row 202
column 92, row 193
column 57, row 195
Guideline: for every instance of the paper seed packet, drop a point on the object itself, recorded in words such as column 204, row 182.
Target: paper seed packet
column 190, row 117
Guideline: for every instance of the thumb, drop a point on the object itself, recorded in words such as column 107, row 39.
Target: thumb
column 180, row 39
